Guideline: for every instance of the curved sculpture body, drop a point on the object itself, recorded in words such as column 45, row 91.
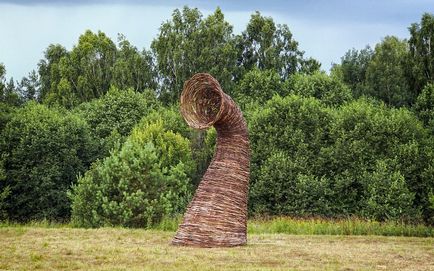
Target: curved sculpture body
column 217, row 215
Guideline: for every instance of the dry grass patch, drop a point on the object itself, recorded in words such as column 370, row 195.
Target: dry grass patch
column 30, row 248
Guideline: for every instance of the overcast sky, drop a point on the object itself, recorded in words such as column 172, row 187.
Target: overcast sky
column 325, row 29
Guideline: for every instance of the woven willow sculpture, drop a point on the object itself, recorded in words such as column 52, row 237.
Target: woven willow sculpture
column 217, row 215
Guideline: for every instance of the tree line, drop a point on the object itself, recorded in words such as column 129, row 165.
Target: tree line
column 94, row 135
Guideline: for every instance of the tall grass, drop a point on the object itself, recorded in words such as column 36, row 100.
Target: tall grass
column 36, row 224
column 287, row 225
column 350, row 226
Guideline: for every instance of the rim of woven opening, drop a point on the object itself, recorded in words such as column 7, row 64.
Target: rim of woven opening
column 188, row 106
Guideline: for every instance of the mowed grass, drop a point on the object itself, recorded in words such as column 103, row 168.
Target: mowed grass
column 64, row 248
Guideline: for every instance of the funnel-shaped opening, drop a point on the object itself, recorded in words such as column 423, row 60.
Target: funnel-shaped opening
column 201, row 101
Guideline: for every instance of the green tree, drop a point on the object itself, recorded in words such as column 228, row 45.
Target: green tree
column 8, row 91
column 202, row 143
column 188, row 44
column 133, row 69
column 80, row 75
column 386, row 77
column 421, row 52
column 29, row 87
column 49, row 69
column 284, row 186
column 145, row 180
column 267, row 46
column 2, row 80
column 43, row 150
column 352, row 69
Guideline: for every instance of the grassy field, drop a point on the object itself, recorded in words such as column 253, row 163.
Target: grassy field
column 65, row 248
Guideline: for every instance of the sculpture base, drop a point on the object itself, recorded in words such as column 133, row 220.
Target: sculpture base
column 198, row 237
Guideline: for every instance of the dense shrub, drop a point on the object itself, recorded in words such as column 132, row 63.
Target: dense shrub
column 309, row 159
column 257, row 87
column 330, row 90
column 364, row 133
column 283, row 186
column 6, row 113
column 286, row 137
column 113, row 116
column 387, row 195
column 43, row 150
column 138, row 184
column 172, row 120
column 424, row 106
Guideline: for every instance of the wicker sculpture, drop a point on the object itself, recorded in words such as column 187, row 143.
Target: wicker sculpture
column 217, row 215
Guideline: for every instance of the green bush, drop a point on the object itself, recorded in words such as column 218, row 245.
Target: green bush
column 6, row 113
column 387, row 197
column 257, row 87
column 173, row 120
column 364, row 133
column 282, row 188
column 310, row 159
column 424, row 106
column 4, row 192
column 43, row 150
column 286, row 138
column 145, row 180
column 328, row 89
column 201, row 142
column 113, row 116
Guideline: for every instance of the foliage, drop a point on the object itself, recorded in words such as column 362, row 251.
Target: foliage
column 29, row 87
column 388, row 197
column 201, row 142
column 133, row 69
column 173, row 120
column 113, row 116
column 6, row 113
column 4, row 191
column 49, row 69
column 352, row 69
column 86, row 70
column 421, row 52
column 91, row 67
column 188, row 44
column 8, row 92
column 330, row 90
column 424, row 106
column 138, row 184
column 309, row 159
column 267, row 46
column 386, row 77
column 286, row 137
column 43, row 150
column 316, row 151
column 258, row 86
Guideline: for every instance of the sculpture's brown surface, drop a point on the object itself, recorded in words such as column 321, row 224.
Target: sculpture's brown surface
column 217, row 215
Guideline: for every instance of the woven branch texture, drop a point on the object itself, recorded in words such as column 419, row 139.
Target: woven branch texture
column 217, row 215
